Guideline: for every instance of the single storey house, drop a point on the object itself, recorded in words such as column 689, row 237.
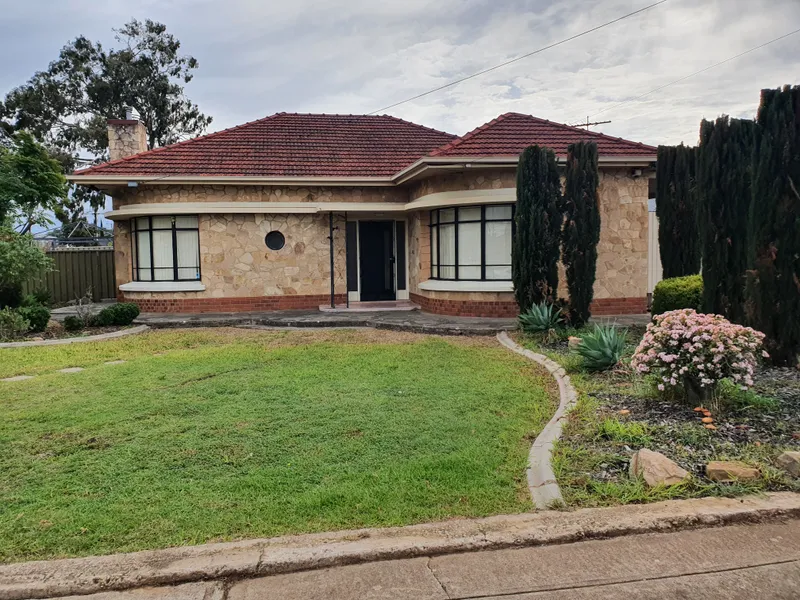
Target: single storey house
column 295, row 211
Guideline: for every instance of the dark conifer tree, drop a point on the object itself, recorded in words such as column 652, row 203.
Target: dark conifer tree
column 538, row 227
column 581, row 231
column 678, row 239
column 773, row 282
column 724, row 171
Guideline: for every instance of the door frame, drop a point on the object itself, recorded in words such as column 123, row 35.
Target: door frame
column 355, row 295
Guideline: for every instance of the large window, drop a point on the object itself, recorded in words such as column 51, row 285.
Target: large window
column 472, row 242
column 166, row 248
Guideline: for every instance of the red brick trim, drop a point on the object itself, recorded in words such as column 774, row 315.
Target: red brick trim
column 476, row 308
column 205, row 305
column 619, row 306
column 466, row 308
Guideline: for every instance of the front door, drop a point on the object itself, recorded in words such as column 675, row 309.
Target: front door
column 376, row 245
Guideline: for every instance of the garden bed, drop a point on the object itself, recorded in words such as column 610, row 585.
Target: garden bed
column 620, row 412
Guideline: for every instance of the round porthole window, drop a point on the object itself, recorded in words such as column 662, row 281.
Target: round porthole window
column 275, row 240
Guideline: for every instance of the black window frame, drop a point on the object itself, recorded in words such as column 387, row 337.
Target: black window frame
column 435, row 222
column 137, row 269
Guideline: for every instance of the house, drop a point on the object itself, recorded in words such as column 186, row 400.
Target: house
column 294, row 211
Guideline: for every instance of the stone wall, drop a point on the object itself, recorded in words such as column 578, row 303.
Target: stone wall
column 472, row 179
column 126, row 138
column 622, row 250
column 149, row 194
column 236, row 263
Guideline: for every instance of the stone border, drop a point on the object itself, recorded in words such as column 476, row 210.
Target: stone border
column 76, row 340
column 252, row 558
column 541, row 479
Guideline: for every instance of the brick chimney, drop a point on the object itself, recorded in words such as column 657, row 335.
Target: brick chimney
column 127, row 136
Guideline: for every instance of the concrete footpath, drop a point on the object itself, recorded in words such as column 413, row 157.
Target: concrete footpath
column 702, row 548
column 731, row 562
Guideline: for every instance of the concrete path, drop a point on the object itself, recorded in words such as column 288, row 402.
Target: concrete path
column 414, row 321
column 733, row 562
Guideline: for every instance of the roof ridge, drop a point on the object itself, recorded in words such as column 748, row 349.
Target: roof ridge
column 168, row 146
column 452, row 135
column 460, row 140
column 585, row 131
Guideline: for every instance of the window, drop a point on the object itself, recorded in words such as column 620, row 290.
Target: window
column 275, row 240
column 166, row 248
column 472, row 242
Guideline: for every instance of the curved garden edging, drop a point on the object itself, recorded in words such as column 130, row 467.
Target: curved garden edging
column 542, row 482
column 76, row 340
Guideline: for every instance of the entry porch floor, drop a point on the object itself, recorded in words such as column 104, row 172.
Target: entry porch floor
column 414, row 321
column 399, row 320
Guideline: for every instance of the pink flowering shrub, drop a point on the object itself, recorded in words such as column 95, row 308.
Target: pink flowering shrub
column 683, row 347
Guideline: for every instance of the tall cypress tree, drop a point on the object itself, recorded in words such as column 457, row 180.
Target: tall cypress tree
column 773, row 282
column 724, row 171
column 678, row 239
column 581, row 231
column 538, row 220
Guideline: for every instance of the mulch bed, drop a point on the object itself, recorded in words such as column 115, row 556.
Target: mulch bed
column 61, row 333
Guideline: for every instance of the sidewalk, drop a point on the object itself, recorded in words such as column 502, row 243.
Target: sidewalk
column 736, row 562
column 636, row 551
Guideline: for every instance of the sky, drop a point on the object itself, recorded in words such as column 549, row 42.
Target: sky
column 258, row 57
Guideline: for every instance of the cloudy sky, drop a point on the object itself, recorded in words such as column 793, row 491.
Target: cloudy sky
column 258, row 57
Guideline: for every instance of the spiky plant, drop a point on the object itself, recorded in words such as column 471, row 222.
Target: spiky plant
column 602, row 348
column 542, row 317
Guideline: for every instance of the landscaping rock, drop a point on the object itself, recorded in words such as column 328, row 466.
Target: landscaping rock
column 656, row 469
column 790, row 462
column 730, row 470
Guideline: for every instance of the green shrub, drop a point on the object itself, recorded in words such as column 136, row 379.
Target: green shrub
column 678, row 292
column 73, row 323
column 12, row 324
column 602, row 348
column 37, row 315
column 540, row 317
column 10, row 295
column 117, row 314
column 42, row 296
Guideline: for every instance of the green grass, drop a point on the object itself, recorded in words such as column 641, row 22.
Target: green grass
column 233, row 435
column 631, row 432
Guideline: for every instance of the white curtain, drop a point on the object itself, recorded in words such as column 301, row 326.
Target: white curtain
column 162, row 255
column 498, row 250
column 447, row 251
column 188, row 255
column 143, row 255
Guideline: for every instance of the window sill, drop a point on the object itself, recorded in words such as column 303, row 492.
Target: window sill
column 442, row 285
column 162, row 286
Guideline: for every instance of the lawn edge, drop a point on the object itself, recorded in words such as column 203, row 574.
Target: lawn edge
column 77, row 340
column 542, row 483
column 263, row 557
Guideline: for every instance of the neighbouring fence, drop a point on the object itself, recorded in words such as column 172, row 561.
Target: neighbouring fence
column 654, row 271
column 77, row 271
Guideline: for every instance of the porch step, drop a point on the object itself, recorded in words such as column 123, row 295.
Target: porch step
column 390, row 306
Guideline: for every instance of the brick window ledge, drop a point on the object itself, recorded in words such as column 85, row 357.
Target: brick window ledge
column 446, row 285
column 163, row 286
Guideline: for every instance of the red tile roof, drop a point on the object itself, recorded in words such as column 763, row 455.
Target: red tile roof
column 320, row 145
column 290, row 145
column 511, row 133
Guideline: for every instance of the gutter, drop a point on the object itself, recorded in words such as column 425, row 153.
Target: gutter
column 427, row 163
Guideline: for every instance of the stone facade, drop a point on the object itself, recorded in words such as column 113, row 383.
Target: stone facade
column 150, row 194
column 236, row 263
column 240, row 273
column 126, row 138
column 621, row 282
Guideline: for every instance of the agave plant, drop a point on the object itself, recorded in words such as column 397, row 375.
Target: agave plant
column 542, row 317
column 602, row 348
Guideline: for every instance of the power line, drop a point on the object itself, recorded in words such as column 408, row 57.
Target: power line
column 722, row 62
column 518, row 58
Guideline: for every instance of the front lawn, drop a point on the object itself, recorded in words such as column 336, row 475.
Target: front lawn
column 206, row 435
column 619, row 412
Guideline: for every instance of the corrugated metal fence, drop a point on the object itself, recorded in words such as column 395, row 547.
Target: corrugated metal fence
column 77, row 271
